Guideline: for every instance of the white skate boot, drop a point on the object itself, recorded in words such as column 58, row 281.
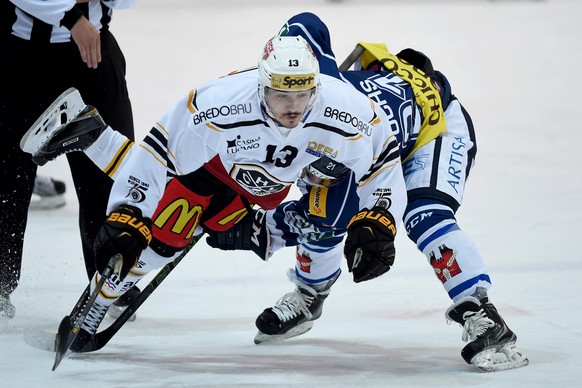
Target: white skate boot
column 67, row 125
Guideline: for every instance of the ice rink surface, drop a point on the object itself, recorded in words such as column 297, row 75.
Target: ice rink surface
column 515, row 65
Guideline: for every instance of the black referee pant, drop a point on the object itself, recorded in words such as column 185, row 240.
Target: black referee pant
column 31, row 76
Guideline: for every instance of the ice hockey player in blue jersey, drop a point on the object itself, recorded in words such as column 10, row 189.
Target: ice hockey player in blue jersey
column 437, row 146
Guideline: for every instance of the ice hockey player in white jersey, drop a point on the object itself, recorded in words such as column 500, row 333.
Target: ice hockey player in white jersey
column 242, row 139
column 437, row 146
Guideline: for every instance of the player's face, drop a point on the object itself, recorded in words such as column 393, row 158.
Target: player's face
column 287, row 107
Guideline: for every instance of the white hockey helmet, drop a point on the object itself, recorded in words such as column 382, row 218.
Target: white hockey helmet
column 288, row 64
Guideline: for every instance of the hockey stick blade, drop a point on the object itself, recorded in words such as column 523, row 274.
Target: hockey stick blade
column 101, row 339
column 66, row 334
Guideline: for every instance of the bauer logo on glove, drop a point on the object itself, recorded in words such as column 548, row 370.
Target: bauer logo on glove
column 132, row 222
column 125, row 232
column 369, row 247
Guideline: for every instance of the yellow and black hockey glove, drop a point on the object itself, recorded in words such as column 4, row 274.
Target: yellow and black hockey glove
column 369, row 247
column 125, row 232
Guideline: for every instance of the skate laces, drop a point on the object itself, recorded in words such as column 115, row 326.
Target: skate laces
column 476, row 323
column 293, row 304
column 94, row 318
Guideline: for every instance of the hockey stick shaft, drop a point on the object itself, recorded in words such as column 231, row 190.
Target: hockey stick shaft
column 349, row 61
column 66, row 334
column 103, row 337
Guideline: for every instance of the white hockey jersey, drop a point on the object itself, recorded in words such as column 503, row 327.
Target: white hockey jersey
column 222, row 127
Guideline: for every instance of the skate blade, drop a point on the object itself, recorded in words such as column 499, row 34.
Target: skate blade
column 302, row 328
column 494, row 360
column 62, row 110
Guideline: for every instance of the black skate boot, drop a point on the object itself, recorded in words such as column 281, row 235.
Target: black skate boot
column 7, row 309
column 491, row 344
column 121, row 304
column 89, row 327
column 294, row 313
column 67, row 125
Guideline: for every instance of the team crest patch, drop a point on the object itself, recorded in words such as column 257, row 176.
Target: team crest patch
column 256, row 180
column 445, row 266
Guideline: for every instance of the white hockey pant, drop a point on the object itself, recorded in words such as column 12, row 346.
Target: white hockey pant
column 457, row 264
column 317, row 266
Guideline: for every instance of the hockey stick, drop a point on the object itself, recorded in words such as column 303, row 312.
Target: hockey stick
column 354, row 55
column 66, row 334
column 102, row 338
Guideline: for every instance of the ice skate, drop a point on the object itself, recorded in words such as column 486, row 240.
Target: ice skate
column 294, row 313
column 7, row 309
column 491, row 344
column 89, row 327
column 67, row 125
column 117, row 308
column 47, row 193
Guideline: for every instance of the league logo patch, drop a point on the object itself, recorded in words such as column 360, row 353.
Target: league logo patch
column 445, row 266
column 384, row 197
column 137, row 192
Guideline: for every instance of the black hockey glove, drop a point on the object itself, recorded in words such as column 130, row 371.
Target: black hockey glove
column 249, row 234
column 369, row 246
column 125, row 232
